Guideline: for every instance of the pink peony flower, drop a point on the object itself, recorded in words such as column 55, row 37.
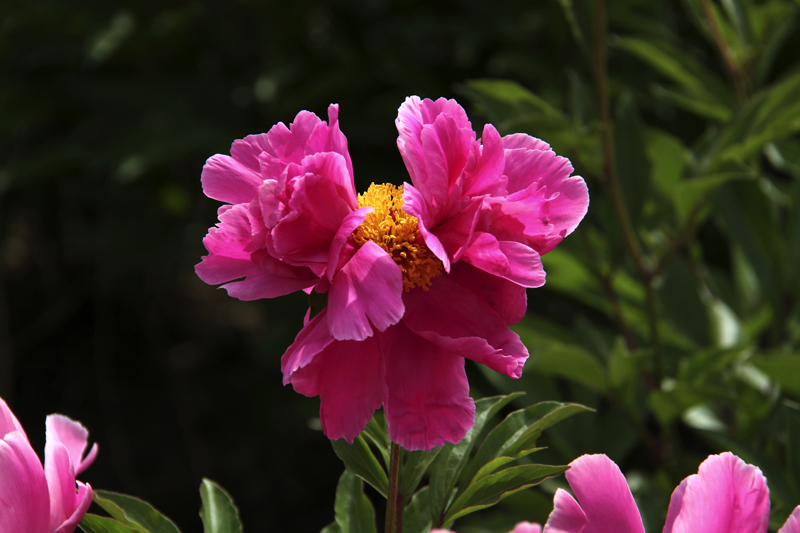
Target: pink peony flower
column 726, row 495
column 417, row 277
column 522, row 527
column 36, row 500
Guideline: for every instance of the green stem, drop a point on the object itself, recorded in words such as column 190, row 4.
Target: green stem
column 734, row 73
column 391, row 499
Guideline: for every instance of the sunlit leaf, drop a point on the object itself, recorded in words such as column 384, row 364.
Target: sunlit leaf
column 359, row 460
column 354, row 511
column 134, row 512
column 218, row 511
column 91, row 523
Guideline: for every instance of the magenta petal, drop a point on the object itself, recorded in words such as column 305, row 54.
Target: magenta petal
column 726, row 495
column 349, row 224
column 604, row 496
column 506, row 298
column 427, row 399
column 230, row 181
column 24, row 498
column 248, row 150
column 347, row 376
column 510, row 260
column 527, row 527
column 8, row 422
column 462, row 323
column 414, row 204
column 327, row 137
column 289, row 144
column 487, row 176
column 567, row 516
column 523, row 140
column 792, row 524
column 73, row 436
column 366, row 291
column 60, row 481
column 83, row 501
column 311, row 340
column 455, row 233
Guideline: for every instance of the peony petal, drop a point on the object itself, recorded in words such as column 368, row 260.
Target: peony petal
column 792, row 524
column 414, row 204
column 311, row 340
column 455, row 233
column 247, row 151
column 73, row 436
column 83, row 501
column 527, row 527
column 567, row 516
column 604, row 496
column 366, row 291
column 523, row 140
column 60, row 473
column 487, row 176
column 23, row 487
column 8, row 422
column 327, row 137
column 427, row 399
column 230, row 181
column 510, row 260
column 726, row 495
column 347, row 376
column 506, row 298
column 337, row 253
column 461, row 322
column 289, row 144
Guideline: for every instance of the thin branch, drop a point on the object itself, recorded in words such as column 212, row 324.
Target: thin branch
column 735, row 74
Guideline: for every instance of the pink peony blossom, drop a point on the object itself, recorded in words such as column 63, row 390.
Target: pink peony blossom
column 726, row 495
column 417, row 278
column 37, row 500
column 522, row 527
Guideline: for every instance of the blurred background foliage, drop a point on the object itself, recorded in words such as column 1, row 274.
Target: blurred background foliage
column 674, row 310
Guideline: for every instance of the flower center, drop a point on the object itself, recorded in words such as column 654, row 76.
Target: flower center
column 396, row 231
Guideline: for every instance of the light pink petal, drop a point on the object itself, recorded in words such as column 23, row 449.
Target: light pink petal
column 525, row 168
column 311, row 340
column 84, row 500
column 289, row 143
column 247, row 151
column 604, row 496
column 73, row 436
column 24, row 499
column 59, row 470
column 337, row 255
column 347, row 376
column 567, row 516
column 455, row 233
column 462, row 323
column 414, row 204
column 366, row 291
column 792, row 524
column 327, row 137
column 527, row 527
column 510, row 260
column 334, row 167
column 230, row 181
column 317, row 210
column 487, row 176
column 426, row 398
column 523, row 140
column 8, row 422
column 506, row 298
column 726, row 495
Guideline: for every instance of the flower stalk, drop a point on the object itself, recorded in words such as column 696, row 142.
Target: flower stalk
column 394, row 494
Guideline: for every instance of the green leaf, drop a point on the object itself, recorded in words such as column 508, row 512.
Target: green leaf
column 633, row 166
column 91, row 523
column 333, row 527
column 452, row 457
column 377, row 433
column 690, row 195
column 134, row 512
column 782, row 368
column 218, row 512
column 516, row 436
column 415, row 466
column 693, row 104
column 417, row 514
column 359, row 460
column 570, row 362
column 622, row 367
column 670, row 404
column 354, row 511
column 668, row 157
column 493, row 488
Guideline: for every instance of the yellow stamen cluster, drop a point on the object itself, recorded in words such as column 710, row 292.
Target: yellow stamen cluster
column 396, row 231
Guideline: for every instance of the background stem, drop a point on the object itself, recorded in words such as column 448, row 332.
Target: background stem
column 391, row 499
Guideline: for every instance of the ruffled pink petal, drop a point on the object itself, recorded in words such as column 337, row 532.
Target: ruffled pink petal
column 567, row 516
column 526, row 168
column 726, row 495
column 74, row 437
column 311, row 340
column 426, row 398
column 792, row 524
column 487, row 176
column 507, row 259
column 248, row 150
column 604, row 496
column 318, row 206
column 506, row 298
column 327, row 137
column 455, row 233
column 527, row 527
column 289, row 144
column 347, row 377
column 414, row 204
column 59, row 470
column 337, row 256
column 84, row 500
column 459, row 321
column 366, row 291
column 8, row 422
column 523, row 140
column 230, row 181
column 24, row 498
